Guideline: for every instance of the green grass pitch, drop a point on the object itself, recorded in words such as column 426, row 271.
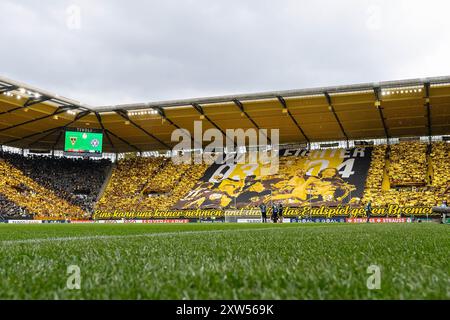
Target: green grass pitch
column 225, row 261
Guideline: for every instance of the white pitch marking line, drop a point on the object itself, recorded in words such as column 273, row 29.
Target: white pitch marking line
column 143, row 235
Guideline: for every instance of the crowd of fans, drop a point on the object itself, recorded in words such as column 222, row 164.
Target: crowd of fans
column 29, row 195
column 408, row 174
column 440, row 156
column 166, row 178
column 375, row 176
column 148, row 184
column 78, row 181
column 127, row 181
column 11, row 210
column 406, row 164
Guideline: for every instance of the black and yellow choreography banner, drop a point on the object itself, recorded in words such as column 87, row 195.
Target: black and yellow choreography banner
column 328, row 177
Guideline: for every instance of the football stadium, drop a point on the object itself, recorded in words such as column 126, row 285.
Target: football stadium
column 356, row 207
column 224, row 159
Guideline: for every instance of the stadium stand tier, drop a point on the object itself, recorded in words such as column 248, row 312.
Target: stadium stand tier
column 404, row 168
column 148, row 183
column 440, row 155
column 27, row 193
column 46, row 187
column 9, row 209
column 408, row 164
column 74, row 180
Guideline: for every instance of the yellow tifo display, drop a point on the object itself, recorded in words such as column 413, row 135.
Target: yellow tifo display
column 310, row 181
column 323, row 177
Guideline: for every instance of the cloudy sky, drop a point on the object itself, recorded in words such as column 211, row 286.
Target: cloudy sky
column 110, row 52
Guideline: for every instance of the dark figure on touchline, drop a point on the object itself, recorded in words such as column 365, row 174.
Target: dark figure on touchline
column 444, row 215
column 274, row 213
column 280, row 212
column 368, row 210
column 263, row 208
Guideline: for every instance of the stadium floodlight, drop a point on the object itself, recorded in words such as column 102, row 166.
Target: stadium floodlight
column 141, row 112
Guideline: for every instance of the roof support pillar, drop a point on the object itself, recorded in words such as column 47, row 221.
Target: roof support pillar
column 77, row 117
column 99, row 119
column 376, row 92
column 42, row 138
column 124, row 115
column 124, row 141
column 164, row 117
column 58, row 138
column 59, row 110
column 28, row 103
column 204, row 116
column 331, row 108
column 286, row 110
column 8, row 88
column 243, row 112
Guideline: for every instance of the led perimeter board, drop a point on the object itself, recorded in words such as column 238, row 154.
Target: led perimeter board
column 83, row 142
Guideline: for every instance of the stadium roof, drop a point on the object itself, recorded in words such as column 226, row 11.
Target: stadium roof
column 32, row 118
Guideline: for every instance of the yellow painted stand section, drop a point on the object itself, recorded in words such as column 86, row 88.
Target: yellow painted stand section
column 430, row 171
column 386, row 184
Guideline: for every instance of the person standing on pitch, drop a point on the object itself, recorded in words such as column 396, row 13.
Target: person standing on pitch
column 263, row 209
column 444, row 215
column 274, row 213
column 280, row 212
column 368, row 210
